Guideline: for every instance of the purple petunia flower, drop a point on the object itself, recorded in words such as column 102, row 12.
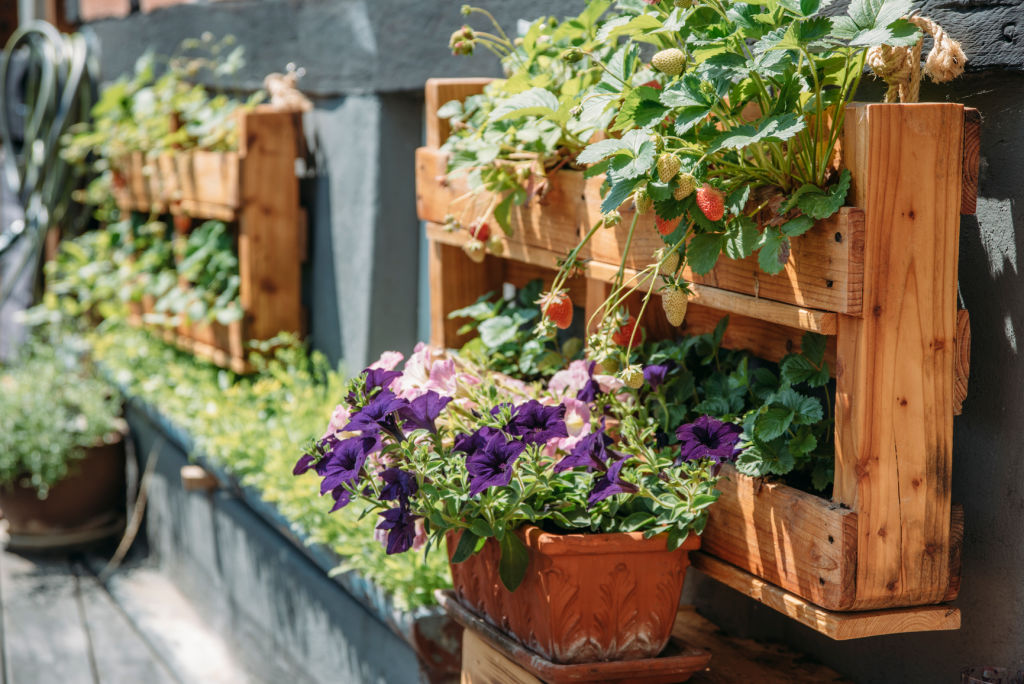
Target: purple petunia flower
column 380, row 377
column 422, row 411
column 304, row 463
column 475, row 441
column 707, row 437
column 345, row 462
column 589, row 391
column 398, row 484
column 610, row 484
column 590, row 452
column 401, row 526
column 536, row 423
column 342, row 497
column 378, row 415
column 655, row 375
column 491, row 466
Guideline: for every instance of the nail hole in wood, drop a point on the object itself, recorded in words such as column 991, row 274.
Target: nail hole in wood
column 839, row 237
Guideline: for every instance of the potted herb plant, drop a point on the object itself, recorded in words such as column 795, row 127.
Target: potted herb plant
column 61, row 450
column 573, row 483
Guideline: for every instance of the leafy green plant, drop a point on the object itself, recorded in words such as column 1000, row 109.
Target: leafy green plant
column 52, row 408
column 208, row 281
column 504, row 340
column 522, row 127
column 249, row 425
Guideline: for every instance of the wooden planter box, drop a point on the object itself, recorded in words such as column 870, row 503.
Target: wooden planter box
column 880, row 280
column 256, row 191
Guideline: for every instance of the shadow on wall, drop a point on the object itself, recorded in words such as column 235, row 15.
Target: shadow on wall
column 988, row 471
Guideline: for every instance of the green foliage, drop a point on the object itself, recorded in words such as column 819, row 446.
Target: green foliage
column 504, row 340
column 52, row 407
column 249, row 425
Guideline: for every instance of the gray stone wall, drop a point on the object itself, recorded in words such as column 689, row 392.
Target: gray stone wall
column 367, row 61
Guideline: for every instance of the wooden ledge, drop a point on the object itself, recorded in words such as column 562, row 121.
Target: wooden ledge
column 835, row 625
column 813, row 320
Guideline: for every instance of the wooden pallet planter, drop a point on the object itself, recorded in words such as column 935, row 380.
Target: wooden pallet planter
column 256, row 190
column 879, row 279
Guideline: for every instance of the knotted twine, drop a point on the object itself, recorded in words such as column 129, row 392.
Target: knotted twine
column 900, row 67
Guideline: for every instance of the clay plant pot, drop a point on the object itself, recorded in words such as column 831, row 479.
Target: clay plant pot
column 585, row 597
column 88, row 504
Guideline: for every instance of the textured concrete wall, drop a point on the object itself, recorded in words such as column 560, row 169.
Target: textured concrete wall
column 281, row 615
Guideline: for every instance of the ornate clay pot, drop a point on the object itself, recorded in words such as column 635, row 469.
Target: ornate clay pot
column 585, row 597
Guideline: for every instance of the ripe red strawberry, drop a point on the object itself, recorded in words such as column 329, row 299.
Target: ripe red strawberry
column 557, row 307
column 666, row 226
column 711, row 202
column 622, row 335
column 652, row 84
column 481, row 231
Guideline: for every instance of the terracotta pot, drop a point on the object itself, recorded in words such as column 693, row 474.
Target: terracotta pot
column 90, row 496
column 585, row 597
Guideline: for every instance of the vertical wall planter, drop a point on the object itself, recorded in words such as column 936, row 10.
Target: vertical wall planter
column 879, row 279
column 256, row 191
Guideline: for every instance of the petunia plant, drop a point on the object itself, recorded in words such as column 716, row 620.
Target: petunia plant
column 442, row 447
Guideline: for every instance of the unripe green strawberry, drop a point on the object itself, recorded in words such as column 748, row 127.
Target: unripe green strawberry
column 475, row 250
column 683, row 4
column 711, row 202
column 673, row 301
column 643, row 202
column 667, row 263
column 609, row 365
column 668, row 167
column 685, row 187
column 633, row 376
column 495, row 245
column 670, row 62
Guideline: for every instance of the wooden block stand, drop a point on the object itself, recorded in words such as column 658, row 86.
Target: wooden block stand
column 880, row 279
column 256, row 191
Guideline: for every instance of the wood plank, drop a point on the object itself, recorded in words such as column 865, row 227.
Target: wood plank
column 455, row 282
column 971, row 161
column 269, row 249
column 120, row 653
column 961, row 360
column 894, row 403
column 747, row 661
column 793, row 539
column 823, row 322
column 483, row 664
column 956, row 543
column 835, row 625
column 43, row 627
column 439, row 91
column 825, row 270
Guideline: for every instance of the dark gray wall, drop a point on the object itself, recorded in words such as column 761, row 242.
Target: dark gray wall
column 367, row 61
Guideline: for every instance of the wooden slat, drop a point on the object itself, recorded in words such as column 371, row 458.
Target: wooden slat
column 894, row 404
column 961, row 360
column 971, row 161
column 838, row 626
column 825, row 270
column 269, row 249
column 956, row 543
column 455, row 282
column 822, row 322
column 483, row 664
column 745, row 661
column 795, row 540
column 439, row 91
